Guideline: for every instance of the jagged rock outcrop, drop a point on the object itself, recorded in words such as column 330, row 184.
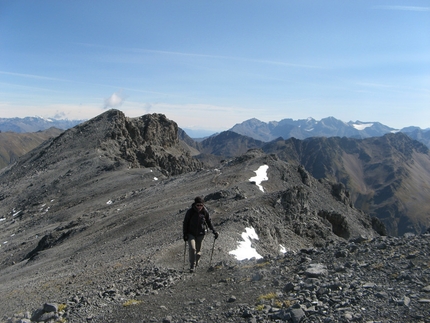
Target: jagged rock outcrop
column 340, row 192
column 148, row 141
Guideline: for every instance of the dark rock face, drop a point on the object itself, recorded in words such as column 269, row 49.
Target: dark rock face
column 379, row 227
column 340, row 192
column 148, row 141
column 338, row 222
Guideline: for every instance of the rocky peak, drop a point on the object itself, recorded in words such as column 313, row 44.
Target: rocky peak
column 149, row 141
column 112, row 140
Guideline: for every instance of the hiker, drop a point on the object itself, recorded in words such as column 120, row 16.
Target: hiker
column 196, row 222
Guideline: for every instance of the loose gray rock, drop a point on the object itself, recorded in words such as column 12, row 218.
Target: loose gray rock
column 316, row 270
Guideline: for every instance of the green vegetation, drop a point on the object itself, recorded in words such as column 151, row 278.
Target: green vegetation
column 131, row 302
column 268, row 296
column 273, row 299
column 378, row 266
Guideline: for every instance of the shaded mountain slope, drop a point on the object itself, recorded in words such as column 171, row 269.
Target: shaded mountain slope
column 112, row 192
column 418, row 134
column 228, row 144
column 13, row 145
column 387, row 176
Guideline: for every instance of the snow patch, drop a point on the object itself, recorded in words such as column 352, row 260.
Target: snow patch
column 261, row 175
column 362, row 126
column 16, row 213
column 245, row 249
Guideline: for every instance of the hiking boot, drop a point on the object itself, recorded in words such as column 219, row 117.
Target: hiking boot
column 192, row 270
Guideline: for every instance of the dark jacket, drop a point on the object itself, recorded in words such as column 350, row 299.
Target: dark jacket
column 195, row 223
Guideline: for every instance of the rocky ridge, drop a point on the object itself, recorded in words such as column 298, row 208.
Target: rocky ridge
column 384, row 279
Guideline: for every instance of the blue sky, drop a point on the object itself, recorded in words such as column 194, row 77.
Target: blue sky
column 212, row 64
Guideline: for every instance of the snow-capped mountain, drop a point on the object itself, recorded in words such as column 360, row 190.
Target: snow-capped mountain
column 327, row 127
column 33, row 124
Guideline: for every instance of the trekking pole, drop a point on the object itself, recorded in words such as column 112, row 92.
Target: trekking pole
column 185, row 251
column 212, row 252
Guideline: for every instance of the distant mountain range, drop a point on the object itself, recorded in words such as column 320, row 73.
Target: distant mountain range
column 327, row 127
column 33, row 124
column 253, row 128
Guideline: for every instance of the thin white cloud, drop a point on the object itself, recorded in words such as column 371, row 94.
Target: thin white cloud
column 235, row 58
column 243, row 59
column 38, row 77
column 67, row 111
column 374, row 85
column 25, row 87
column 404, row 8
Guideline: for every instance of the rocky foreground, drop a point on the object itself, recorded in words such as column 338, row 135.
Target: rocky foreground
column 385, row 279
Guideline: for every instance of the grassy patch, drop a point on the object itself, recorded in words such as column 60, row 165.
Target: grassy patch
column 378, row 266
column 266, row 297
column 273, row 299
column 131, row 302
column 278, row 303
column 256, row 265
